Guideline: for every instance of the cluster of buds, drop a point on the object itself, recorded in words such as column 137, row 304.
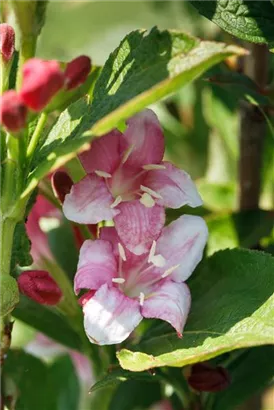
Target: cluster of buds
column 42, row 80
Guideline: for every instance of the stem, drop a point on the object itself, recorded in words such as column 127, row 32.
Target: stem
column 10, row 182
column 252, row 132
column 36, row 135
column 27, row 51
column 7, row 232
column 75, row 169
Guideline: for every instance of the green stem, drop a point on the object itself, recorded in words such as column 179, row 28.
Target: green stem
column 10, row 182
column 7, row 232
column 27, row 51
column 75, row 169
column 36, row 135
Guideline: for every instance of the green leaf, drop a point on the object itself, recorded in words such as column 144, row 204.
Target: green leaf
column 47, row 320
column 218, row 196
column 9, row 294
column 243, row 229
column 147, row 67
column 64, row 388
column 119, row 376
column 30, row 377
column 249, row 20
column 250, row 374
column 232, row 308
column 135, row 394
column 143, row 69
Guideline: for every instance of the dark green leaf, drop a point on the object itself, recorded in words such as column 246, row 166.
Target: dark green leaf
column 47, row 320
column 9, row 294
column 250, row 374
column 232, row 308
column 21, row 247
column 30, row 377
column 249, row 20
column 64, row 388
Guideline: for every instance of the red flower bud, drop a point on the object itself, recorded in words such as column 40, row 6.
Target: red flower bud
column 77, row 71
column 7, row 40
column 39, row 286
column 13, row 112
column 41, row 81
column 61, row 184
column 206, row 378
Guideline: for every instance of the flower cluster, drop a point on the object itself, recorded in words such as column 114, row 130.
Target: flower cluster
column 138, row 267
column 42, row 80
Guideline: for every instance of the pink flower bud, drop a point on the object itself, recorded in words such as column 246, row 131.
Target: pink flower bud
column 7, row 40
column 39, row 286
column 13, row 112
column 61, row 184
column 206, row 378
column 41, row 81
column 77, row 71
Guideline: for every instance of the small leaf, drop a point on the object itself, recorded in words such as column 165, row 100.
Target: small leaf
column 9, row 294
column 21, row 247
column 232, row 308
column 249, row 20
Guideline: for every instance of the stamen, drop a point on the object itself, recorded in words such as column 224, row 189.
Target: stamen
column 147, row 200
column 118, row 280
column 102, row 174
column 150, row 167
column 152, row 251
column 121, row 252
column 127, row 153
column 169, row 271
column 117, row 201
column 142, row 298
column 151, row 192
column 158, row 260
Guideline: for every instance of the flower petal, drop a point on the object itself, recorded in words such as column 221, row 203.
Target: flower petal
column 182, row 243
column 174, row 185
column 89, row 201
column 138, row 226
column 169, row 302
column 110, row 316
column 145, row 135
column 97, row 265
column 104, row 154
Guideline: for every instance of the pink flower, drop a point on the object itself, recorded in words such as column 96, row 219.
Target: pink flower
column 41, row 81
column 7, row 41
column 39, row 286
column 46, row 348
column 40, row 249
column 162, row 405
column 125, row 287
column 77, row 72
column 128, row 182
column 13, row 112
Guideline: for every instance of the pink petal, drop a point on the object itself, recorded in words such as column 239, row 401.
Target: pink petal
column 169, row 302
column 83, row 367
column 104, row 154
column 138, row 226
column 182, row 243
column 175, row 187
column 144, row 133
column 97, row 265
column 110, row 316
column 89, row 201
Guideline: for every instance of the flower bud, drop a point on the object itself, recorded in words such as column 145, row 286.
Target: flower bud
column 61, row 184
column 39, row 286
column 77, row 72
column 41, row 81
column 204, row 377
column 7, row 41
column 13, row 112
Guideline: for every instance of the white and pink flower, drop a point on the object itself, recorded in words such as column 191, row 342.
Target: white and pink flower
column 124, row 287
column 127, row 181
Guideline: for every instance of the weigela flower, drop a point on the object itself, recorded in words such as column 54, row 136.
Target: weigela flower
column 39, row 286
column 127, row 181
column 41, row 81
column 13, row 112
column 124, row 287
column 7, row 41
column 77, row 71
